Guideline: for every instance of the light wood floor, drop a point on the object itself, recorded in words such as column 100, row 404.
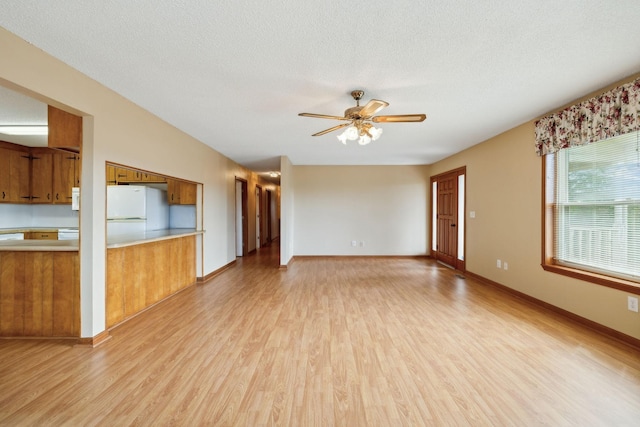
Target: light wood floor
column 330, row 341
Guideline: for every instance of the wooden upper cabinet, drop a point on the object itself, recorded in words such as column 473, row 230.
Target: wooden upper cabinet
column 65, row 129
column 181, row 192
column 111, row 175
column 66, row 175
column 14, row 176
column 41, row 176
column 120, row 175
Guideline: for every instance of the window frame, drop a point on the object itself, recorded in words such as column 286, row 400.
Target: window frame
column 548, row 263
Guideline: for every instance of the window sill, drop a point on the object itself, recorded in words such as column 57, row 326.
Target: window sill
column 599, row 279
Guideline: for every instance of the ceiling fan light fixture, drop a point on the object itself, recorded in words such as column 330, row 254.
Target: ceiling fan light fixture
column 359, row 120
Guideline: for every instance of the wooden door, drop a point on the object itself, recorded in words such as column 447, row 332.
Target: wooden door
column 447, row 208
column 447, row 228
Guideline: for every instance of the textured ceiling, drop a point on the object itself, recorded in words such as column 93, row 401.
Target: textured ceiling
column 234, row 74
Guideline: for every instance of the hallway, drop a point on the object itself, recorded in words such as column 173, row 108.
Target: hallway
column 329, row 341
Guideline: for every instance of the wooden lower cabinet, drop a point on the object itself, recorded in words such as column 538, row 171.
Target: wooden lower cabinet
column 139, row 276
column 39, row 294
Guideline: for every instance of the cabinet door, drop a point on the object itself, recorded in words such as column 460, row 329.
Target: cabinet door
column 173, row 191
column 5, row 174
column 124, row 175
column 181, row 192
column 14, row 176
column 41, row 178
column 65, row 129
column 77, row 166
column 112, row 175
column 188, row 193
column 64, row 177
column 41, row 235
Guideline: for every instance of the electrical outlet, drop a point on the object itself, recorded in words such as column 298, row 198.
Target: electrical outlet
column 632, row 303
column 362, row 244
column 499, row 264
column 472, row 214
column 354, row 243
column 505, row 265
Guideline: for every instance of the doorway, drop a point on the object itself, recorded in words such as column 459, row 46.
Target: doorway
column 242, row 221
column 448, row 218
column 269, row 236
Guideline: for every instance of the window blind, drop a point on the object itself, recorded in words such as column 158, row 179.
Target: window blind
column 596, row 206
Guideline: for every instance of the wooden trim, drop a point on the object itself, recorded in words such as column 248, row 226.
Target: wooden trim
column 216, row 272
column 95, row 341
column 599, row 279
column 12, row 146
column 597, row 327
column 547, row 261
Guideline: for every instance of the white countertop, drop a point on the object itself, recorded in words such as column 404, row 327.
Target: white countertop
column 118, row 241
column 39, row 245
column 123, row 240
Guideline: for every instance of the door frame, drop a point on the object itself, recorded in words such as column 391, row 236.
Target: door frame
column 459, row 264
column 269, row 197
column 244, row 226
column 259, row 217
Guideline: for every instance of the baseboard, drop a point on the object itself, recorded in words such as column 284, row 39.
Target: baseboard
column 93, row 342
column 597, row 327
column 215, row 272
column 285, row 266
column 301, row 257
column 362, row 256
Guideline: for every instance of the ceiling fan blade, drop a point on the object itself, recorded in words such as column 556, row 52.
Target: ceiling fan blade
column 372, row 107
column 399, row 118
column 331, row 129
column 322, row 116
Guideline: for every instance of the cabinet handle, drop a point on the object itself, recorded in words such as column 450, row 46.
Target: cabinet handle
column 3, row 195
column 57, row 198
column 48, row 196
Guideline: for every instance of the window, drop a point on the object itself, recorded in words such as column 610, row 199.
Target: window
column 592, row 211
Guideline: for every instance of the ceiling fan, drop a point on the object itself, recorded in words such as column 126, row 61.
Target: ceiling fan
column 359, row 120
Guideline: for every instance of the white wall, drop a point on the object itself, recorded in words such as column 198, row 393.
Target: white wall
column 25, row 215
column 116, row 130
column 382, row 208
column 286, row 210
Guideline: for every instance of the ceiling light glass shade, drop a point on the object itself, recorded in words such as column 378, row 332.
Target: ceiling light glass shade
column 24, row 130
column 375, row 133
column 350, row 133
column 364, row 139
column 364, row 133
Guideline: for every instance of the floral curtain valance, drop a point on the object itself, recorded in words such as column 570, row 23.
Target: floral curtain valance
column 613, row 113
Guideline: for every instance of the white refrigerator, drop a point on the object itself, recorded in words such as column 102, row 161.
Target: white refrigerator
column 135, row 209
